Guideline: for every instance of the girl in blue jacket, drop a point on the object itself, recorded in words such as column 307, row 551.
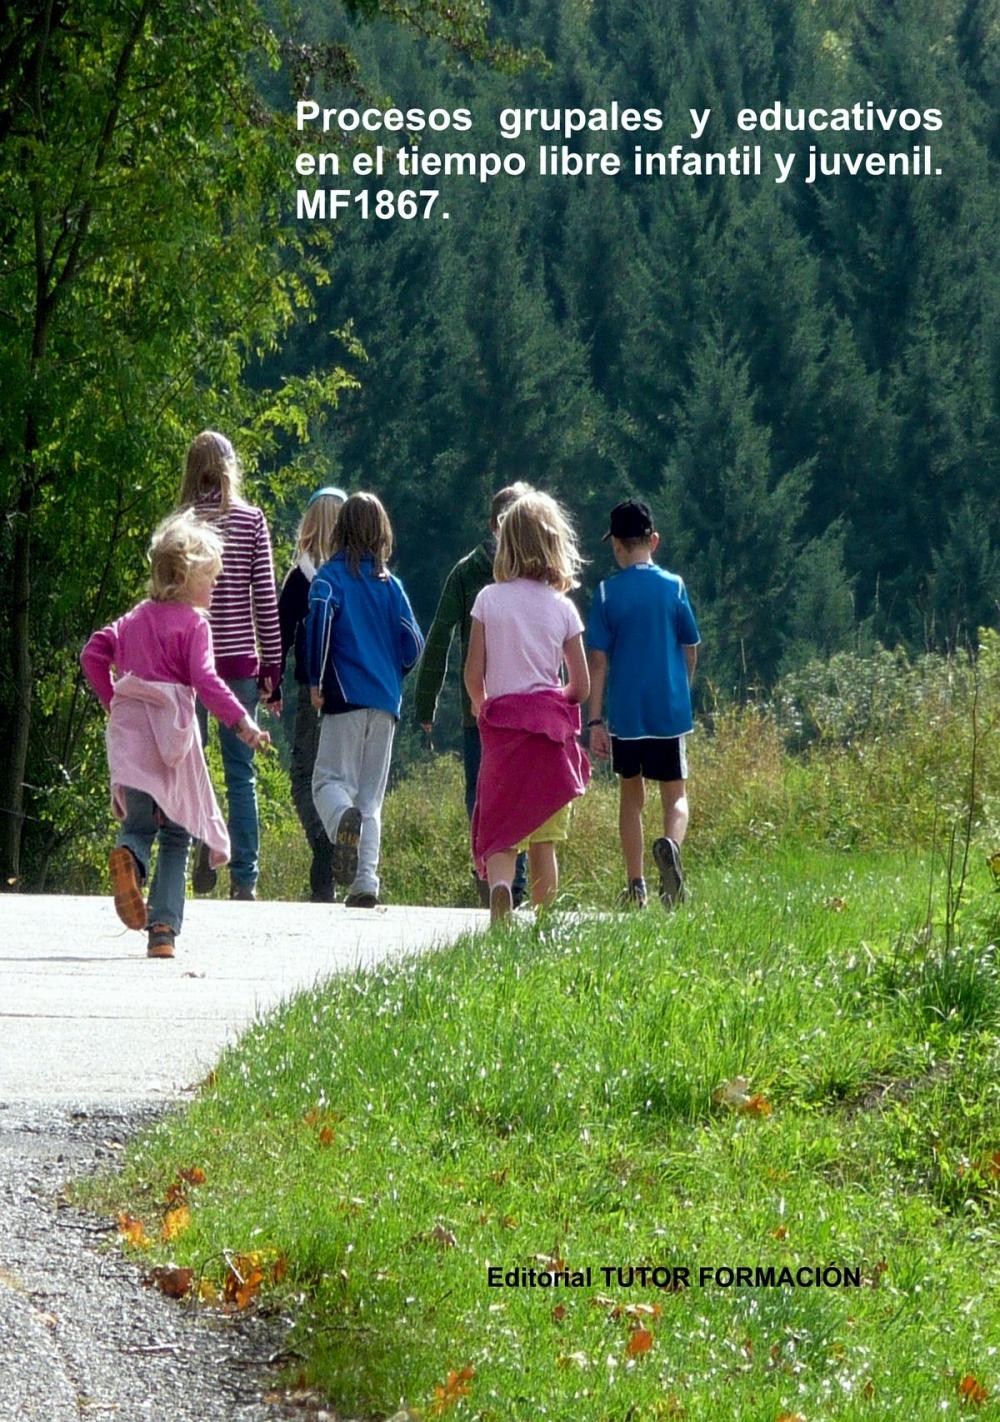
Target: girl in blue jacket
column 361, row 640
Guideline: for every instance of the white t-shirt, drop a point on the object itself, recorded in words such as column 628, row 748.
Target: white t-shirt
column 526, row 623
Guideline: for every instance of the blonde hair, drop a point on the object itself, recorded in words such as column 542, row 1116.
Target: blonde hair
column 364, row 531
column 536, row 540
column 503, row 499
column 319, row 524
column 181, row 548
column 211, row 467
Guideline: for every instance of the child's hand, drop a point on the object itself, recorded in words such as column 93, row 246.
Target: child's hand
column 600, row 743
column 316, row 697
column 251, row 734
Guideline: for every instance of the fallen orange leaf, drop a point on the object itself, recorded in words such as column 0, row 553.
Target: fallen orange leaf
column 790, row 1417
column 326, row 1136
column 457, row 1385
column 970, row 1389
column 175, row 1222
column 781, row 1232
column 133, row 1231
column 243, row 1281
column 194, row 1175
column 559, row 1312
column 736, row 1094
column 640, row 1342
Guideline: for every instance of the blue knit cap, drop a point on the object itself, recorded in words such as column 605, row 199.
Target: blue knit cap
column 328, row 492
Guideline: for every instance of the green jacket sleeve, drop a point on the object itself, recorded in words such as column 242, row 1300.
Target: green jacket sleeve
column 434, row 662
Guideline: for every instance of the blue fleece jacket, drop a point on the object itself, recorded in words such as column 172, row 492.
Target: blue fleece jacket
column 361, row 637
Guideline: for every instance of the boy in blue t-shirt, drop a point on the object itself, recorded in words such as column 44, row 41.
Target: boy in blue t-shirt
column 643, row 642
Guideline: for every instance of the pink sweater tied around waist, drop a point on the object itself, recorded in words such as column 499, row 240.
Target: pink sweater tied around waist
column 532, row 764
column 154, row 745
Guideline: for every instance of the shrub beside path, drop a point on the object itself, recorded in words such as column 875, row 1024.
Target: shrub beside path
column 94, row 1039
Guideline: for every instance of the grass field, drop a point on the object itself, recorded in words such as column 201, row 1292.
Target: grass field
column 555, row 1098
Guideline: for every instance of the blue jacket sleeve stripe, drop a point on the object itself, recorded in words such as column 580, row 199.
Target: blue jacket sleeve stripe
column 318, row 629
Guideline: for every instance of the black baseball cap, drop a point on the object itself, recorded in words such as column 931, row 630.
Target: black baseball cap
column 629, row 519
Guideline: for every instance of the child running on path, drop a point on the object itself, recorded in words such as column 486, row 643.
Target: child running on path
column 162, row 657
column 643, row 641
column 361, row 639
column 313, row 548
column 524, row 628
column 247, row 639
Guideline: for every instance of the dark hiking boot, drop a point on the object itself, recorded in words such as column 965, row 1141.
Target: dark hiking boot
column 345, row 846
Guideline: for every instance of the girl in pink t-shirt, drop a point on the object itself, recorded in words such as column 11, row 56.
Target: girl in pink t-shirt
column 524, row 629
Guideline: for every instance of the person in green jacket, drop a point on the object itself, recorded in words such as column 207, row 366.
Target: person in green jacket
column 454, row 609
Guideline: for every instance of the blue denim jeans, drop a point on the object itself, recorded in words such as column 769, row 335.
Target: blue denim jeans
column 145, row 822
column 472, row 752
column 241, row 787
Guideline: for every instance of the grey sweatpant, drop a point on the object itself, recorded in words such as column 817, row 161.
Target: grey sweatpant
column 352, row 768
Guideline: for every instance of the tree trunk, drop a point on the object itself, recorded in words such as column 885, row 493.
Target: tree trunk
column 15, row 759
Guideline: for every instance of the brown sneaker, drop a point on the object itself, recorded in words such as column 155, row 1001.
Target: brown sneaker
column 361, row 901
column 161, row 941
column 501, row 903
column 126, row 885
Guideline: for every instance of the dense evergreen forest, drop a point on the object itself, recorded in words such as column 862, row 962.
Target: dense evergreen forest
column 804, row 380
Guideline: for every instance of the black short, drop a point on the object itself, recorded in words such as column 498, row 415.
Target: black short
column 654, row 758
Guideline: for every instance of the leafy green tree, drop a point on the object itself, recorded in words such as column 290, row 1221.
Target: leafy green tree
column 151, row 260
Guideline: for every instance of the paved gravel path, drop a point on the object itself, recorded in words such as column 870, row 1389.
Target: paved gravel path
column 95, row 1041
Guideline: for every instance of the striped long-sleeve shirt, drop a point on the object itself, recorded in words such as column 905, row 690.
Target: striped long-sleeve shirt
column 244, row 612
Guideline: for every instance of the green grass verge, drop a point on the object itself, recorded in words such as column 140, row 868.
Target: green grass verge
column 548, row 1093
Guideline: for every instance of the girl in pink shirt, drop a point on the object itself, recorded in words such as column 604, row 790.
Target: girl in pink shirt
column 524, row 629
column 162, row 657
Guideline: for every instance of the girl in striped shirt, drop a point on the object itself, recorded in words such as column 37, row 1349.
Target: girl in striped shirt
column 247, row 638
